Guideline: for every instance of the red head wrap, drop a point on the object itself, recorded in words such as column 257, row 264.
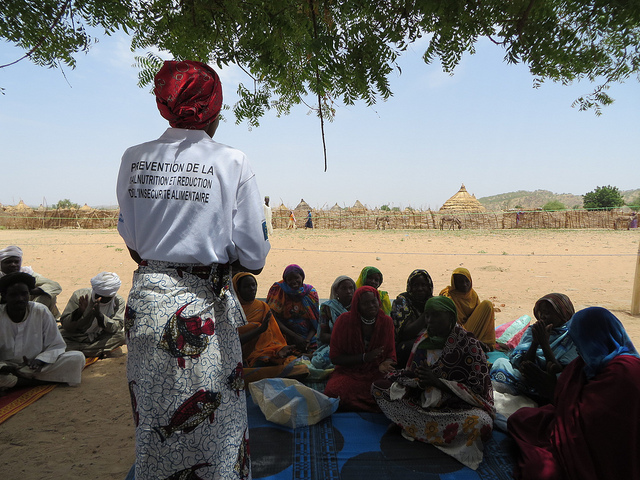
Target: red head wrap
column 188, row 94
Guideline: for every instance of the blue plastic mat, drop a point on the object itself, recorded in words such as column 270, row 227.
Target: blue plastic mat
column 356, row 446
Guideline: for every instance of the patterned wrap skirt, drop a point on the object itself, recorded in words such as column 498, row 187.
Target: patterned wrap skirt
column 184, row 370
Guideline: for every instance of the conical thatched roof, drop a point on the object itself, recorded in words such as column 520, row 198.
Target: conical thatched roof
column 358, row 206
column 303, row 205
column 22, row 207
column 282, row 208
column 462, row 202
column 85, row 207
column 335, row 208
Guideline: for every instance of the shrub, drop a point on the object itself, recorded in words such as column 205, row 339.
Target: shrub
column 603, row 197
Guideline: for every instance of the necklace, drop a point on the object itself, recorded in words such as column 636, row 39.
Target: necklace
column 368, row 322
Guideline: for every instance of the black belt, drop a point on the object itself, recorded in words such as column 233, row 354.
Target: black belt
column 202, row 271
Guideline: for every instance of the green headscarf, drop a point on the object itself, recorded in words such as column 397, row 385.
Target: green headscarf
column 438, row 304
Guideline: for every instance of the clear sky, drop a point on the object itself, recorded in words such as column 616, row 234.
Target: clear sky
column 62, row 136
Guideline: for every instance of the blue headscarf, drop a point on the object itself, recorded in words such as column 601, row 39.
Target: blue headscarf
column 599, row 337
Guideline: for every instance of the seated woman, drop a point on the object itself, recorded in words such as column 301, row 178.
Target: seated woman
column 339, row 302
column 372, row 277
column 32, row 350
column 543, row 352
column 294, row 305
column 363, row 351
column 473, row 315
column 407, row 313
column 592, row 429
column 444, row 396
column 263, row 344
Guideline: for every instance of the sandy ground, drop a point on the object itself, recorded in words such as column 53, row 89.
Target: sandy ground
column 87, row 432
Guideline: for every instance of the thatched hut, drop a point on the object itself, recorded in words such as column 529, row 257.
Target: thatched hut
column 462, row 202
column 358, row 207
column 359, row 212
column 86, row 208
column 335, row 208
column 23, row 208
column 302, row 207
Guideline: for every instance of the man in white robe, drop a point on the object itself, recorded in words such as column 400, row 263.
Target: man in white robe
column 32, row 350
column 46, row 291
column 268, row 215
column 93, row 321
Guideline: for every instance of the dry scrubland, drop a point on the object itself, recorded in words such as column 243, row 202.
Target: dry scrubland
column 86, row 432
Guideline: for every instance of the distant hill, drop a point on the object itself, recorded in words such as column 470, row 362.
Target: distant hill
column 533, row 200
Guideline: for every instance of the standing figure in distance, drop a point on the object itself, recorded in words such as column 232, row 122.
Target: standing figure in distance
column 268, row 215
column 292, row 221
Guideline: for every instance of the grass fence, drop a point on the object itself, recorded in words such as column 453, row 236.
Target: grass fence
column 349, row 219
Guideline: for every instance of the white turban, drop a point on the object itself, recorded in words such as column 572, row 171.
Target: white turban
column 10, row 251
column 106, row 284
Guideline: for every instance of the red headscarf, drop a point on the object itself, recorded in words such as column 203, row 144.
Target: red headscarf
column 188, row 94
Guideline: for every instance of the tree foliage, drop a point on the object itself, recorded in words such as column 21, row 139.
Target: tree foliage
column 65, row 203
column 52, row 32
column 603, row 197
column 323, row 51
column 554, row 206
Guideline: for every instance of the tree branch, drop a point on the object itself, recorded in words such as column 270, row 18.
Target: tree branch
column 44, row 37
column 317, row 72
column 524, row 18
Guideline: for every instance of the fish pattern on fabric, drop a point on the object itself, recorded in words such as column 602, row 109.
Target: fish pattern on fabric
column 187, row 400
column 186, row 337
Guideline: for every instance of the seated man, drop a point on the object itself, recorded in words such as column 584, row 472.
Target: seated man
column 32, row 350
column 45, row 292
column 93, row 320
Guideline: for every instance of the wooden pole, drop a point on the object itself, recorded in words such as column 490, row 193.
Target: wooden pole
column 635, row 295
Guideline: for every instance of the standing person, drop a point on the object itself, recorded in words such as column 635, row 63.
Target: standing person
column 292, row 221
column 268, row 215
column 189, row 211
column 309, row 222
column 45, row 291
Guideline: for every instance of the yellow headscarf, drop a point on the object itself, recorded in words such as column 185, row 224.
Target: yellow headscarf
column 466, row 303
column 384, row 296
